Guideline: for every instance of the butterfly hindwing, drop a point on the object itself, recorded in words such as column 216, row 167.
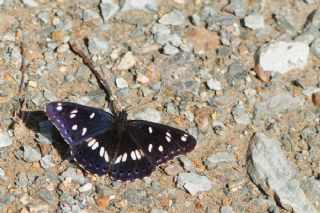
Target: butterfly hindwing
column 76, row 122
column 159, row 142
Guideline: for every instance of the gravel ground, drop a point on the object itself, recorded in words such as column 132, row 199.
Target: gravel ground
column 241, row 76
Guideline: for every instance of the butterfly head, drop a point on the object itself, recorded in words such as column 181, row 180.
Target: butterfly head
column 121, row 121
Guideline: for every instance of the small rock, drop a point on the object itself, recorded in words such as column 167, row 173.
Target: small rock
column 86, row 187
column 43, row 17
column 195, row 20
column 88, row 15
column 283, row 56
column 214, row 85
column 108, row 8
column 315, row 47
column 102, row 202
column 254, row 22
column 240, row 115
column 226, row 209
column 5, row 139
column 308, row 91
column 170, row 49
column 139, row 5
column 45, row 162
column 63, row 48
column 30, row 3
column 2, row 175
column 311, row 187
column 173, row 170
column 21, row 180
column 316, row 99
column 98, row 45
column 193, row 183
column 277, row 104
column 127, row 61
column 149, row 115
column 121, row 83
column 30, row 154
column 46, row 195
column 72, row 173
column 142, row 78
column 175, row 18
column 238, row 7
column 187, row 164
column 221, row 157
column 49, row 96
column 160, row 29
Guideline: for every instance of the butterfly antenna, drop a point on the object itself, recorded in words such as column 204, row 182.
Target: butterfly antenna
column 99, row 75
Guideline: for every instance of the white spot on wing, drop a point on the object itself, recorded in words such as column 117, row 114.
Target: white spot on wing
column 59, row 104
column 160, row 148
column 168, row 134
column 124, row 157
column 133, row 155
column 138, row 154
column 101, row 153
column 118, row 159
column 74, row 127
column 84, row 131
column 141, row 152
column 106, row 156
column 59, row 108
column 150, row 147
column 184, row 138
column 72, row 115
column 74, row 111
column 150, row 129
column 168, row 139
column 95, row 145
column 92, row 115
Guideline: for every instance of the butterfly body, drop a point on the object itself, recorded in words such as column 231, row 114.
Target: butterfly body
column 102, row 143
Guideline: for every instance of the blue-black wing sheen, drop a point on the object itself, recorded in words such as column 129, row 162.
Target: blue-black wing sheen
column 77, row 123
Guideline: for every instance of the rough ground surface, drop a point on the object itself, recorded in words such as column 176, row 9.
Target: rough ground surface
column 212, row 65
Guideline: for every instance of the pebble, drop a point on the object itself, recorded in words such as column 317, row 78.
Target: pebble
column 316, row 99
column 2, row 175
column 311, row 187
column 46, row 195
column 220, row 157
column 88, row 15
column 139, row 5
column 254, row 22
column 149, row 115
column 30, row 154
column 170, row 49
column 121, row 83
column 238, row 7
column 63, row 48
column 315, row 47
column 127, row 61
column 43, row 17
column 46, row 163
column 173, row 170
column 98, row 45
column 226, row 209
column 108, row 9
column 281, row 57
column 160, row 29
column 86, row 187
column 30, row 3
column 270, row 170
column 195, row 20
column 49, row 96
column 72, row 173
column 187, row 164
column 277, row 104
column 240, row 115
column 175, row 18
column 193, row 183
column 5, row 139
column 214, row 85
column 21, row 180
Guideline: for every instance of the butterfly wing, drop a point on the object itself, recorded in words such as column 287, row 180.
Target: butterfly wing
column 160, row 142
column 77, row 123
column 146, row 145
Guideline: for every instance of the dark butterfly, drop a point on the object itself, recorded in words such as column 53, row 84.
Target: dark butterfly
column 124, row 149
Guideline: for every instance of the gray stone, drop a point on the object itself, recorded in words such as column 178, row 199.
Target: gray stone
column 315, row 47
column 30, row 154
column 88, row 15
column 49, row 96
column 170, row 49
column 72, row 173
column 138, row 4
column 270, row 170
column 175, row 18
column 311, row 187
column 46, row 195
column 187, row 164
column 219, row 101
column 308, row 91
column 158, row 211
column 277, row 104
column 283, row 56
column 226, row 209
column 160, row 29
column 193, row 183
column 5, row 139
column 30, row 3
column 45, row 162
column 86, row 187
column 312, row 1
column 214, row 85
column 221, row 157
column 286, row 20
column 43, row 17
column 108, row 8
column 195, row 20
column 238, row 7
column 21, row 180
column 121, row 83
column 149, row 115
column 2, row 175
column 254, row 22
column 98, row 45
column 240, row 115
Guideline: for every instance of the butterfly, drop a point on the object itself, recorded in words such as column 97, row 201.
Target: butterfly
column 102, row 143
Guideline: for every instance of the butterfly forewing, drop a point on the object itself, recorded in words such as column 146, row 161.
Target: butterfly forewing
column 160, row 143
column 76, row 122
